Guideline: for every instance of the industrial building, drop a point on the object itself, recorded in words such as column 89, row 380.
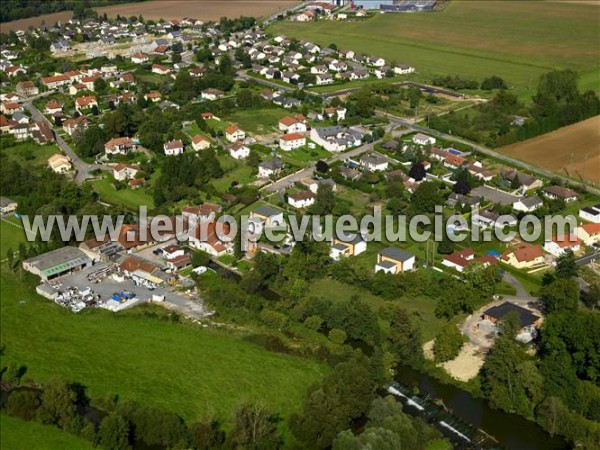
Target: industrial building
column 56, row 263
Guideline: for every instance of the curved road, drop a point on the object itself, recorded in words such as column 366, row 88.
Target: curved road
column 82, row 169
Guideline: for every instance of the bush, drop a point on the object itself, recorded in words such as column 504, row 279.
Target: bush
column 314, row 322
column 23, row 404
column 448, row 343
column 337, row 336
column 273, row 318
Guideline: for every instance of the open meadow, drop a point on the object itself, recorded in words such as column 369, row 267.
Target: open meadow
column 573, row 150
column 172, row 9
column 18, row 434
column 517, row 40
column 183, row 368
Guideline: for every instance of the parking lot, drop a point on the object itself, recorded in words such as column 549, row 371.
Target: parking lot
column 107, row 284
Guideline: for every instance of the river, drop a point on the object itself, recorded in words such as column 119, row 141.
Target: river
column 510, row 430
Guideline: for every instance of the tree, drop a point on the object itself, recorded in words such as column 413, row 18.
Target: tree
column 331, row 406
column 371, row 438
column 91, row 141
column 255, row 427
column 561, row 295
column 463, row 182
column 322, row 166
column 417, row 171
column 425, row 198
column 565, row 265
column 324, row 201
column 448, row 343
column 100, row 85
column 206, row 435
column 58, row 403
column 113, row 433
column 405, row 337
column 493, row 82
column 510, row 379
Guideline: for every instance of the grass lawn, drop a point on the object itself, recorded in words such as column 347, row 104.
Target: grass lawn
column 10, row 236
column 28, row 152
column 130, row 198
column 240, row 173
column 179, row 367
column 258, row 121
column 18, row 434
column 474, row 40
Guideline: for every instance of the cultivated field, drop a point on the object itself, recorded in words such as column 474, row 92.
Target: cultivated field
column 475, row 39
column 172, row 9
column 575, row 148
column 178, row 367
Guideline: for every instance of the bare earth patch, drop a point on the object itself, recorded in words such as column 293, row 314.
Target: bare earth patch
column 572, row 150
column 173, row 9
column 467, row 364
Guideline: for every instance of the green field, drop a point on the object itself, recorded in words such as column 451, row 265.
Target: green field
column 179, row 367
column 258, row 121
column 130, row 198
column 10, row 236
column 28, row 153
column 518, row 40
column 17, row 434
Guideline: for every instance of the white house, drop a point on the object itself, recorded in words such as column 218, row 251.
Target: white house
column 233, row 133
column 590, row 213
column 302, row 199
column 346, row 246
column 200, row 143
column 589, row 233
column 173, row 148
column 296, row 124
column 528, row 204
column 324, row 78
column 59, row 163
column 123, row 172
column 139, row 58
column 119, row 146
column 403, row 69
column 291, row 141
column 239, row 151
column 212, row 94
column 423, row 139
column 559, row 245
column 267, row 169
column 374, row 162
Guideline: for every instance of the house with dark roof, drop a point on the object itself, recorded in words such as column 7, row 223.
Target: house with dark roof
column 394, row 260
column 528, row 320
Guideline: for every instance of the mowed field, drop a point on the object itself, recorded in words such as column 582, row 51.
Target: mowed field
column 575, row 148
column 518, row 40
column 169, row 9
column 184, row 368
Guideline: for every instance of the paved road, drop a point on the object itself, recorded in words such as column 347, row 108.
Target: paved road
column 487, row 151
column 82, row 169
column 521, row 292
column 589, row 258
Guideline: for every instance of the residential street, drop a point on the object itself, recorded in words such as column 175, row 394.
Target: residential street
column 82, row 169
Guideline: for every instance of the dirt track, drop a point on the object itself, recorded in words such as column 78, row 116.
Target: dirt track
column 575, row 148
column 169, row 9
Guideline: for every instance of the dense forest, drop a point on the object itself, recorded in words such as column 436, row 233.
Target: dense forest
column 21, row 9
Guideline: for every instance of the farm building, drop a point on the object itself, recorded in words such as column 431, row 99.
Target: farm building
column 56, row 263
